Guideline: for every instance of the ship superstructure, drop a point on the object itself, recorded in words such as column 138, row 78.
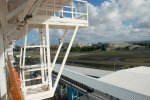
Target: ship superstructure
column 42, row 15
column 45, row 79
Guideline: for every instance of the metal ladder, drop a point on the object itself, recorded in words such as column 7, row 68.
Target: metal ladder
column 42, row 86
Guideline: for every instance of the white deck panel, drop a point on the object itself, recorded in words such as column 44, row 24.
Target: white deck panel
column 57, row 21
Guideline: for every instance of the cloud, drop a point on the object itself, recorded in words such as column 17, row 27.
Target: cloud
column 113, row 20
column 107, row 21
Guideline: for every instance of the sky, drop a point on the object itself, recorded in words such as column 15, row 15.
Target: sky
column 113, row 20
column 117, row 20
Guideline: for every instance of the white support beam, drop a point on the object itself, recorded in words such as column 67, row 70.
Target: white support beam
column 65, row 58
column 44, row 51
column 48, row 56
column 3, row 31
column 41, row 53
column 27, row 9
column 3, row 13
column 23, row 64
column 35, row 7
column 16, row 11
column 20, row 63
column 59, row 48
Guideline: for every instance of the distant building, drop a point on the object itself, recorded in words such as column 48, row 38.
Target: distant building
column 113, row 46
column 119, row 45
column 81, row 45
column 89, row 44
column 136, row 47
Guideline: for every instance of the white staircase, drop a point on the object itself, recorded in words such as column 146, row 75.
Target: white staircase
column 37, row 81
column 40, row 86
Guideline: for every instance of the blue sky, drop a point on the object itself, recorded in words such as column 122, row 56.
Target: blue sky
column 118, row 20
column 113, row 20
column 96, row 2
column 33, row 34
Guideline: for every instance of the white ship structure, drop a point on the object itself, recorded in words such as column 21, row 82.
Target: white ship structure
column 19, row 17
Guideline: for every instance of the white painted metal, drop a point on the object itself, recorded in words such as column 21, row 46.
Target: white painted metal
column 16, row 11
column 59, row 8
column 44, row 56
column 59, row 48
column 23, row 65
column 72, row 8
column 3, row 89
column 3, row 31
column 65, row 58
column 42, row 69
column 20, row 64
column 26, row 10
column 46, row 66
column 36, row 6
column 48, row 56
column 41, row 54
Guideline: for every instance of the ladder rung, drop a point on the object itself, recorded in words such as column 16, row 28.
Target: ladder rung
column 30, row 70
column 36, row 86
column 33, row 79
column 33, row 66
column 36, row 46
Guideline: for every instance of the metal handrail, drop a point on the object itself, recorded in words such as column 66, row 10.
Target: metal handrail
column 14, row 88
column 73, row 10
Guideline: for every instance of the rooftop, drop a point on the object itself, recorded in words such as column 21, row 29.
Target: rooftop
column 134, row 79
column 89, row 71
column 128, row 84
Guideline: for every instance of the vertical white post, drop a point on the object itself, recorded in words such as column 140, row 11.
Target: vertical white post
column 59, row 48
column 44, row 50
column 62, row 12
column 3, row 31
column 48, row 57
column 65, row 58
column 24, row 56
column 41, row 53
column 20, row 64
column 72, row 8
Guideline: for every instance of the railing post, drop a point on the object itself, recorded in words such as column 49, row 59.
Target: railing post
column 20, row 64
column 44, row 50
column 48, row 57
column 62, row 12
column 41, row 53
column 23, row 66
column 72, row 9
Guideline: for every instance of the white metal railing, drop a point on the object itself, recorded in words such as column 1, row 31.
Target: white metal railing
column 76, row 9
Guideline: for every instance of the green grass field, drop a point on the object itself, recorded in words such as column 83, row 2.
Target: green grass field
column 108, row 60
